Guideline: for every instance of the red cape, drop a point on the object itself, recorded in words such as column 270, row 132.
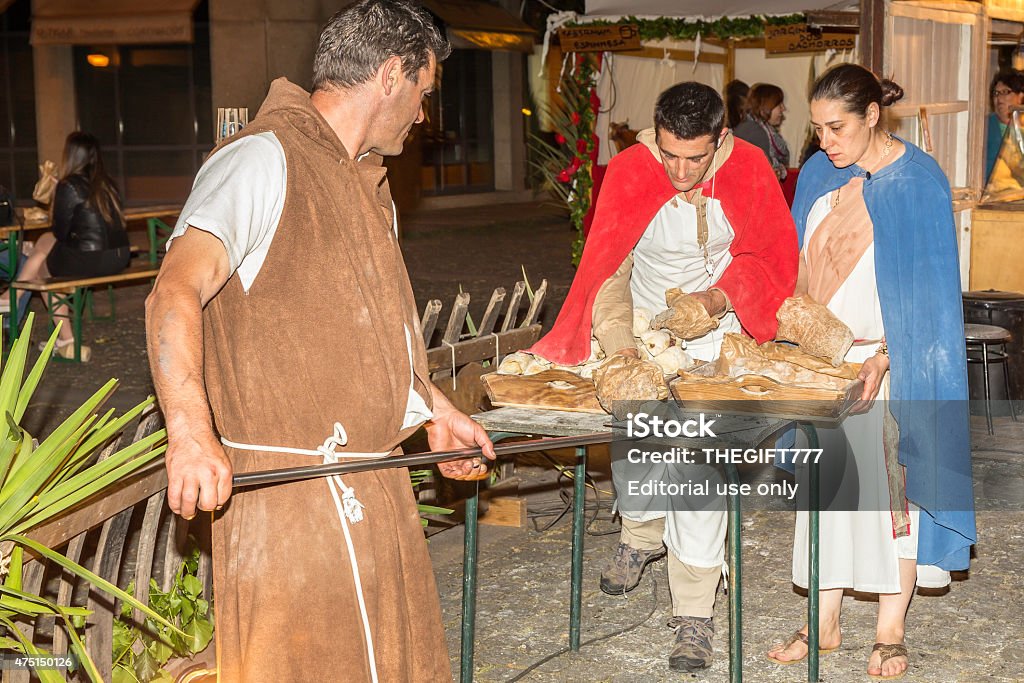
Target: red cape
column 764, row 250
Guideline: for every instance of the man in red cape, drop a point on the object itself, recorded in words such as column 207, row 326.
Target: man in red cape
column 690, row 207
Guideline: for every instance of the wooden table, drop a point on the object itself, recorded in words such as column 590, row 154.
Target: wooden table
column 11, row 236
column 733, row 431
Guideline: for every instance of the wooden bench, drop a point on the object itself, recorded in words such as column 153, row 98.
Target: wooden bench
column 74, row 293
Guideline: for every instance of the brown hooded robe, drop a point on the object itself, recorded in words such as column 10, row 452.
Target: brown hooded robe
column 320, row 338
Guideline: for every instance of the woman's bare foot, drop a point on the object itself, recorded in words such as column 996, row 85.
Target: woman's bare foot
column 893, row 667
column 829, row 638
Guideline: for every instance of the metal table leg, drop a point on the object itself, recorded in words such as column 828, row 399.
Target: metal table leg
column 813, row 512
column 735, row 582
column 576, row 585
column 469, row 558
column 13, row 261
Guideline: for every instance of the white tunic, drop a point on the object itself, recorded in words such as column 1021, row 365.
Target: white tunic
column 857, row 548
column 668, row 255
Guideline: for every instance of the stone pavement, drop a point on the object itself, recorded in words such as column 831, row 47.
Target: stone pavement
column 970, row 635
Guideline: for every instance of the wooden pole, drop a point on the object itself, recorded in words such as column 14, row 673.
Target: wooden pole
column 871, row 39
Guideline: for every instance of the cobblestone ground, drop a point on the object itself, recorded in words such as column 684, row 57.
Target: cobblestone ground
column 970, row 635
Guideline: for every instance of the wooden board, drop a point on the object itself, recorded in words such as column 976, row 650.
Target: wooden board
column 787, row 38
column 703, row 389
column 599, row 38
column 997, row 250
column 537, row 391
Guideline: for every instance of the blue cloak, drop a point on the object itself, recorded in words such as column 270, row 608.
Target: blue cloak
column 918, row 275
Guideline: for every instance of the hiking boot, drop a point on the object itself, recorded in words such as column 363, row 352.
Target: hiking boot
column 626, row 567
column 693, row 643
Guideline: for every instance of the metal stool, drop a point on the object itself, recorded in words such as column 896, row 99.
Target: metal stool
column 980, row 338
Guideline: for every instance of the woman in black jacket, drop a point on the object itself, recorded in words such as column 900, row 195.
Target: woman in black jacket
column 88, row 237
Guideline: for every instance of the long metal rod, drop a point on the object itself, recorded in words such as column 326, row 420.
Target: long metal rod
column 291, row 474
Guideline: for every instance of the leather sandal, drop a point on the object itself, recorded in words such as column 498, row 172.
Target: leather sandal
column 802, row 637
column 888, row 651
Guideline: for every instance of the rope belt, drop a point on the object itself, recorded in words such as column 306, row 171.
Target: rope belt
column 348, row 506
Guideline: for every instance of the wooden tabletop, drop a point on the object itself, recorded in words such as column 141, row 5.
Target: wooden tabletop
column 132, row 213
column 731, row 430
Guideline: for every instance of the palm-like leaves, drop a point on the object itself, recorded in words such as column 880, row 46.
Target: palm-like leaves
column 38, row 483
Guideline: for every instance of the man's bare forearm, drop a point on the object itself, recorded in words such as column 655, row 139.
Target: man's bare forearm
column 174, row 327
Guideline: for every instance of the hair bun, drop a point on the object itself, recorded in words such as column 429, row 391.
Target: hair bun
column 891, row 92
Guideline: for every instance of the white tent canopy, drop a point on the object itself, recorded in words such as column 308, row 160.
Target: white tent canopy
column 702, row 8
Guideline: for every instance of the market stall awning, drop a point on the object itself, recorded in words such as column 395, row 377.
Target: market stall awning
column 702, row 8
column 482, row 26
column 111, row 22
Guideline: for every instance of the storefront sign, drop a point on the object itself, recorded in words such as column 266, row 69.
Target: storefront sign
column 158, row 28
column 600, row 38
column 799, row 38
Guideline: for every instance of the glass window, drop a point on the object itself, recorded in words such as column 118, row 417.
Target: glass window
column 458, row 133
column 150, row 106
column 18, row 170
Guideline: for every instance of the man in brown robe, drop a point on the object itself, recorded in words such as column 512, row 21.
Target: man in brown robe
column 283, row 308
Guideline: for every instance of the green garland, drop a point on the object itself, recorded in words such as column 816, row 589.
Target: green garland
column 682, row 29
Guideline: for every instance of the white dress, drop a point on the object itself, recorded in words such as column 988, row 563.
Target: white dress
column 858, row 549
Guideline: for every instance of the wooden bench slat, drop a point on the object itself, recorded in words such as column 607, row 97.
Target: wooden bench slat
column 58, row 284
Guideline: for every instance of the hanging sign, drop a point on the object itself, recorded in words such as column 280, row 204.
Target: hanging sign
column 600, row 38
column 799, row 38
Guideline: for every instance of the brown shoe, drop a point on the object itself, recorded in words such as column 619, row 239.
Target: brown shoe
column 626, row 567
column 693, row 643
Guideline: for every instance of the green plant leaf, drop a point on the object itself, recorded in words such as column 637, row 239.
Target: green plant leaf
column 80, row 651
column 14, row 568
column 45, row 675
column 146, row 667
column 200, row 633
column 192, row 586
column 97, row 581
column 28, row 387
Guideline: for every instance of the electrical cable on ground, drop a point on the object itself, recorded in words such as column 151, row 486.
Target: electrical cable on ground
column 554, row 655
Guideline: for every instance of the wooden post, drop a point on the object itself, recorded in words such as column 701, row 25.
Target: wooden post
column 730, row 61
column 871, row 39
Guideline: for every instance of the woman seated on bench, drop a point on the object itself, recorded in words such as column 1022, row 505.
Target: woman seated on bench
column 88, row 237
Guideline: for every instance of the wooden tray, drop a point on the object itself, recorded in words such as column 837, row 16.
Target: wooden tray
column 702, row 388
column 537, row 391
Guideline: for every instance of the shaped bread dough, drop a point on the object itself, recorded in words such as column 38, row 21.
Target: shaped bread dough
column 641, row 321
column 672, row 360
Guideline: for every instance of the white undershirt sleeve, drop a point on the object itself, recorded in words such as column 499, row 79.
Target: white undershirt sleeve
column 238, row 197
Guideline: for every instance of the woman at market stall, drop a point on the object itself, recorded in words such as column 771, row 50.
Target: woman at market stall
column 87, row 237
column 766, row 109
column 878, row 248
column 1006, row 93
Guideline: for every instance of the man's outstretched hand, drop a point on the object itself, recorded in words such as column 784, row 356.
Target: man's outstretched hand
column 449, row 430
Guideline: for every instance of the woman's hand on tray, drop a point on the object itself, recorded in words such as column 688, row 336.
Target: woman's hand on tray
column 871, row 373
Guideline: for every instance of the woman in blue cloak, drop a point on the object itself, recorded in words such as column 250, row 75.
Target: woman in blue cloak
column 878, row 248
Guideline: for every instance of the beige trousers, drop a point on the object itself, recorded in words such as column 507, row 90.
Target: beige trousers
column 693, row 588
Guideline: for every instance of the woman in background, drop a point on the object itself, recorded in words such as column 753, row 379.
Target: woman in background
column 735, row 97
column 766, row 111
column 87, row 237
